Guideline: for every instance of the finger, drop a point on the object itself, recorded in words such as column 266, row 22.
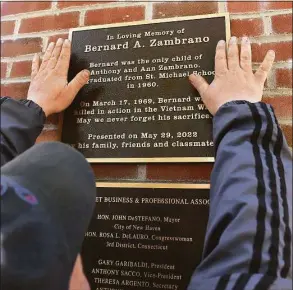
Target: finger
column 35, row 66
column 47, row 55
column 55, row 54
column 221, row 58
column 262, row 73
column 63, row 61
column 245, row 56
column 233, row 54
column 199, row 83
column 77, row 83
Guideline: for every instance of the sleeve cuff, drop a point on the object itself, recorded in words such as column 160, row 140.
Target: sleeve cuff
column 231, row 103
column 240, row 115
column 29, row 104
column 39, row 111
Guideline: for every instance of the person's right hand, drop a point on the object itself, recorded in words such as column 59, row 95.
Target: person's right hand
column 234, row 79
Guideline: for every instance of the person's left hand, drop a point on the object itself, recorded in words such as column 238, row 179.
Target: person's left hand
column 78, row 280
column 49, row 88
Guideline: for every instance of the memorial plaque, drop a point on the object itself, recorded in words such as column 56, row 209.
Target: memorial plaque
column 145, row 236
column 138, row 105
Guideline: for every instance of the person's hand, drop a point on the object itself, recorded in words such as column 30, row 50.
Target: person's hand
column 234, row 78
column 78, row 280
column 49, row 88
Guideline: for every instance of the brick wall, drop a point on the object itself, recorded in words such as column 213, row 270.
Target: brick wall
column 27, row 27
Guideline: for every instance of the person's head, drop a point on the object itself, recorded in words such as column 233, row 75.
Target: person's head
column 47, row 199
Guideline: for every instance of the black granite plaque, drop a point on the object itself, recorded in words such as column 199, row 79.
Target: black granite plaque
column 145, row 236
column 138, row 104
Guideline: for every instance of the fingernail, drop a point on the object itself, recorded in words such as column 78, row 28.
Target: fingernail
column 51, row 44
column 60, row 40
column 86, row 73
column 244, row 39
column 67, row 42
column 233, row 40
column 191, row 77
column 272, row 52
column 221, row 43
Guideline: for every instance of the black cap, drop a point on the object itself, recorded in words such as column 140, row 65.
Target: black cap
column 47, row 200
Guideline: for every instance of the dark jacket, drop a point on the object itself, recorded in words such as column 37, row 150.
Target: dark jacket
column 45, row 209
column 21, row 123
column 248, row 241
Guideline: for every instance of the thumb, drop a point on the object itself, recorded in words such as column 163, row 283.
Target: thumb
column 77, row 83
column 199, row 83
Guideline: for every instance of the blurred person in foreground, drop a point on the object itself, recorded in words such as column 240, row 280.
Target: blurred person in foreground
column 48, row 190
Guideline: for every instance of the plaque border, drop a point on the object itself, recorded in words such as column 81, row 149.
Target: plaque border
column 146, row 22
column 152, row 185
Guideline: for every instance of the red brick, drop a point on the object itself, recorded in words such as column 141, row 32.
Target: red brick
column 287, row 130
column 54, row 38
column 281, row 104
column 21, row 69
column 164, row 10
column 246, row 6
column 53, row 119
column 284, row 78
column 114, row 15
column 115, row 171
column 52, row 22
column 182, row 172
column 11, row 48
column 17, row 90
column 282, row 23
column 236, row 6
column 7, row 27
column 266, row 81
column 48, row 135
column 8, row 8
column 283, row 51
column 247, row 27
column 65, row 4
column 3, row 69
column 276, row 5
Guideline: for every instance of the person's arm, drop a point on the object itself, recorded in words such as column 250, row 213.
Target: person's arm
column 248, row 241
column 22, row 121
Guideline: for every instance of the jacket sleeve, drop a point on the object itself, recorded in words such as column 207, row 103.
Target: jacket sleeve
column 21, row 123
column 248, row 240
